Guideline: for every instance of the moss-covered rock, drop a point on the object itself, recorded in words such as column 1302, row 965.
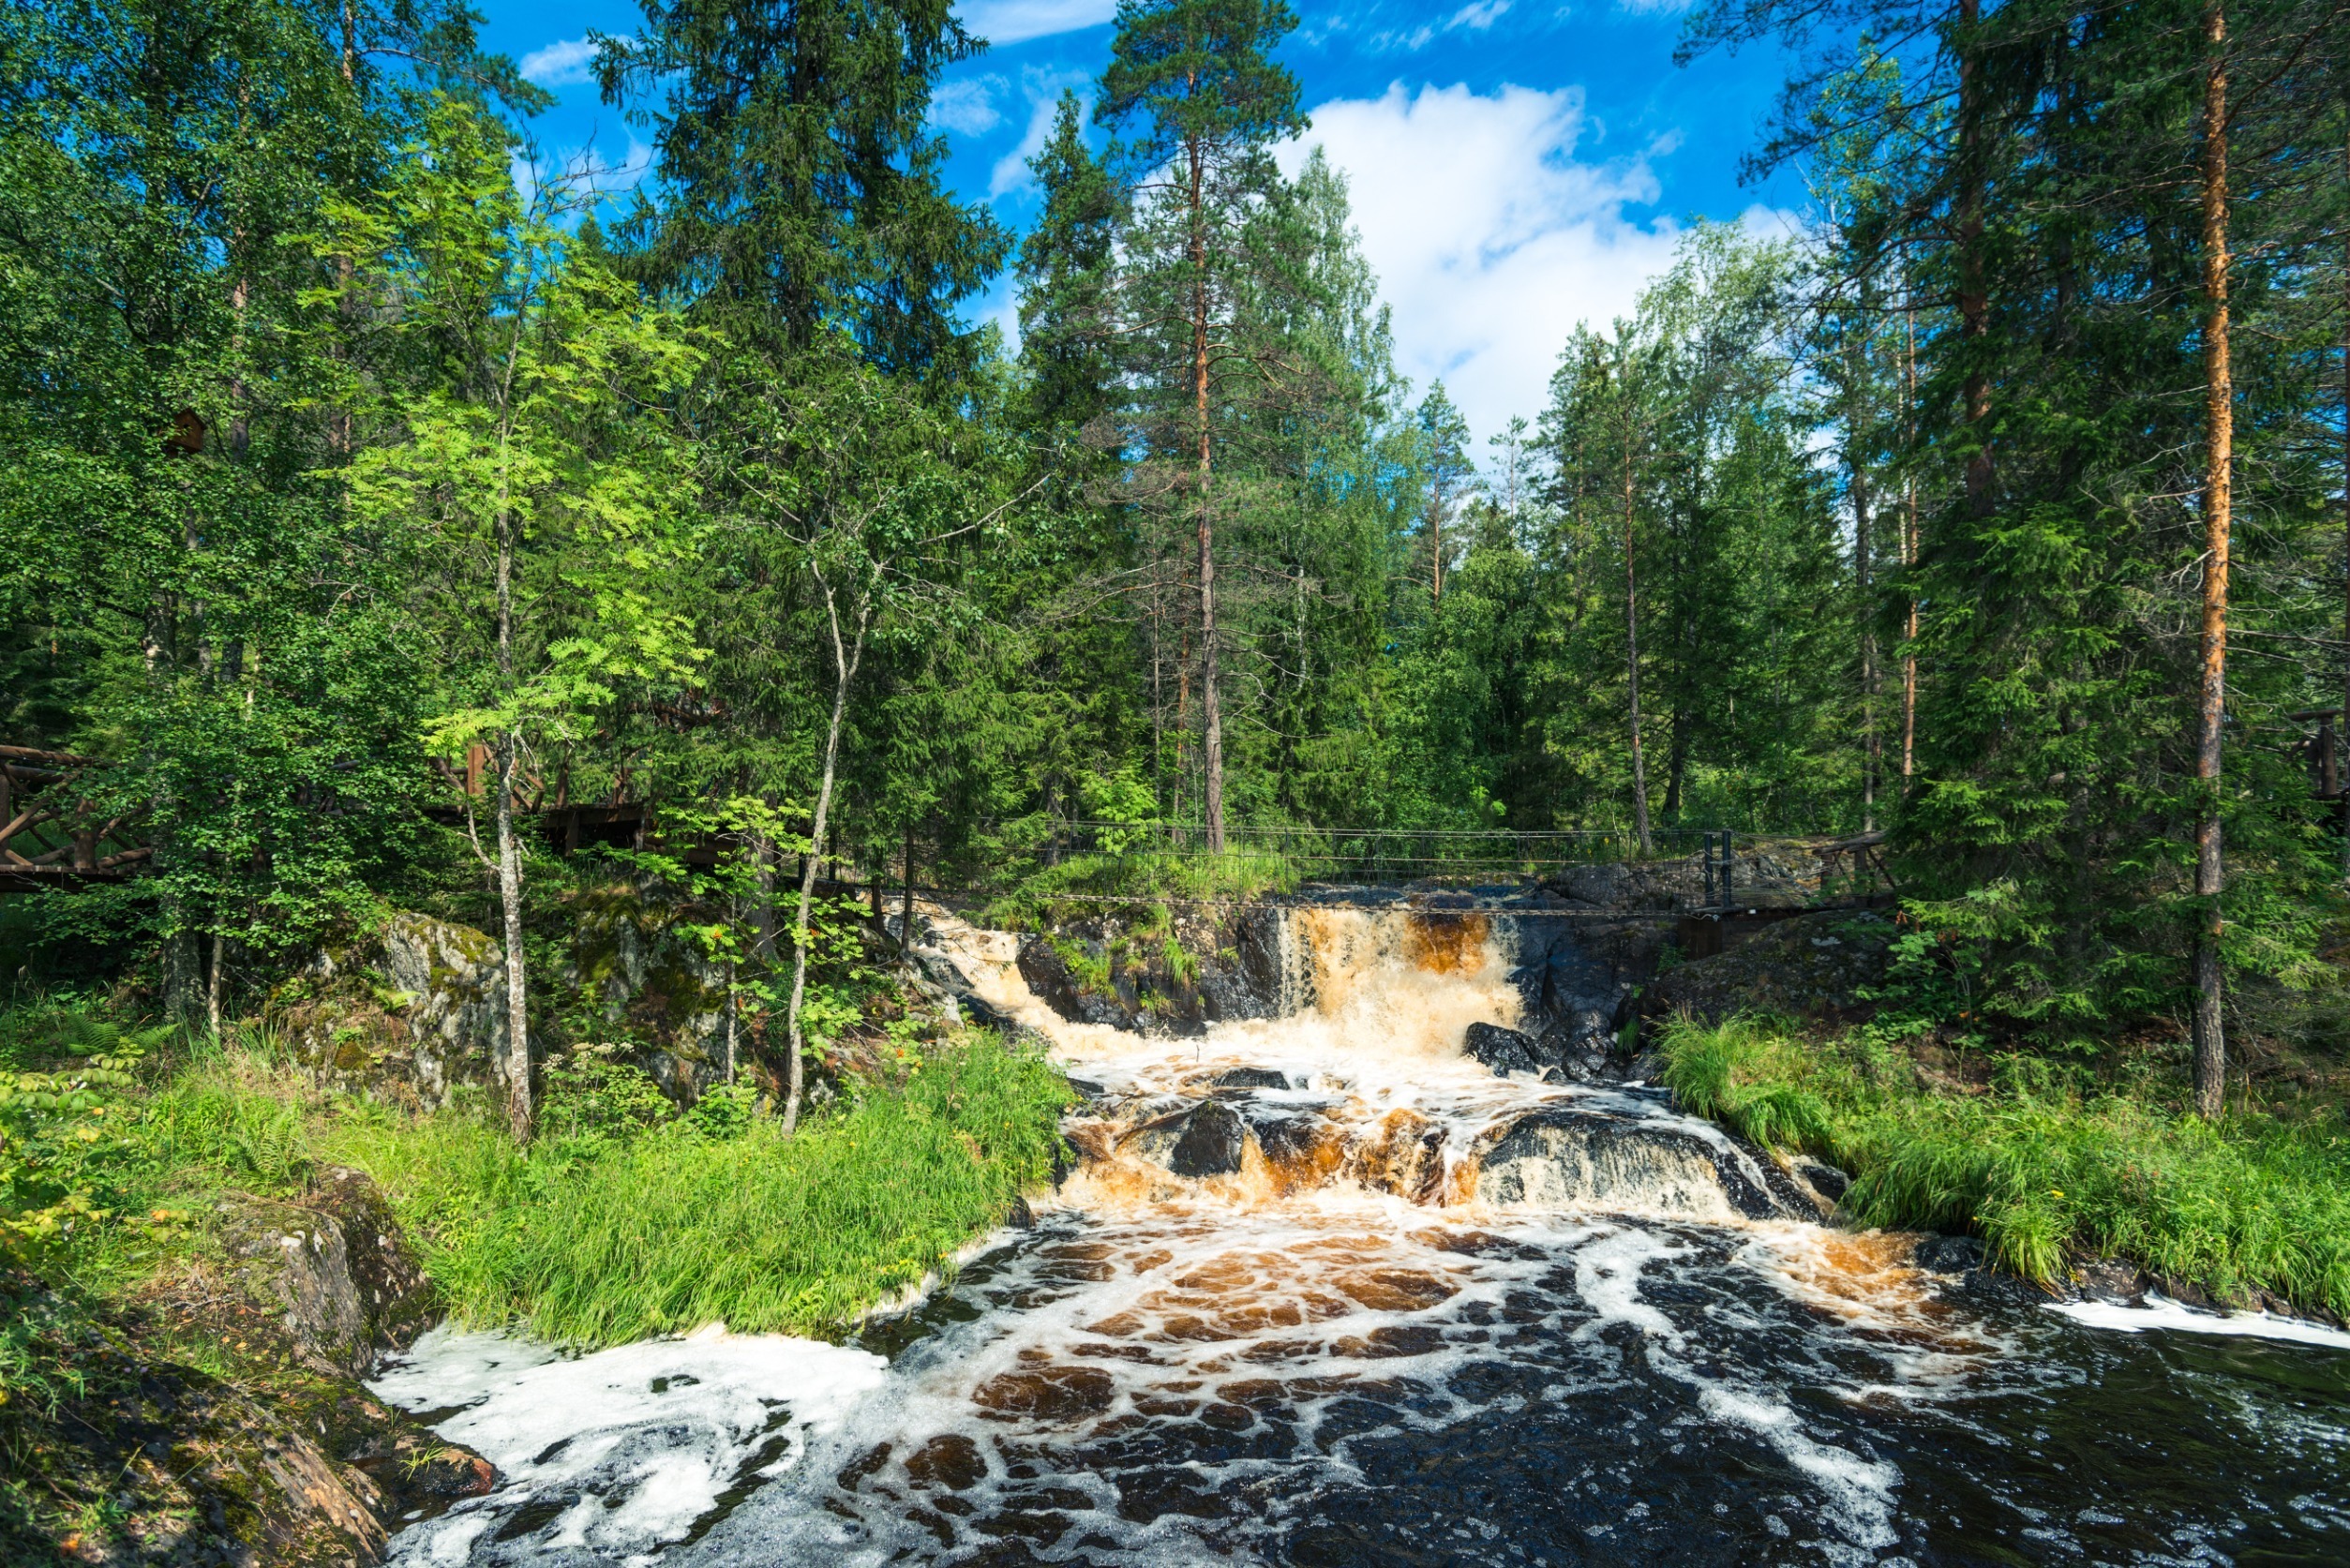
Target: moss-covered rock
column 635, row 968
column 1808, row 965
column 337, row 1263
column 409, row 1010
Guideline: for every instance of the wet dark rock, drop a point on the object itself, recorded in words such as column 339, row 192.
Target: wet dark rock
column 1213, row 1142
column 1825, row 1179
column 1251, row 1078
column 1226, row 996
column 1258, row 945
column 1505, row 1051
column 2187, row 1293
column 1048, row 976
column 1567, row 1154
column 1948, row 1254
column 2114, row 1280
column 1995, row 1289
column 1020, row 1216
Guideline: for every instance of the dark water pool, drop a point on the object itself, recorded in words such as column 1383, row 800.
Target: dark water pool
column 1354, row 1386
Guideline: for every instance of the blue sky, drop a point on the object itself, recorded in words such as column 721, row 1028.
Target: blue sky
column 1516, row 165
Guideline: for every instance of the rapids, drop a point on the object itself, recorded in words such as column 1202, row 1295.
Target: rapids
column 1322, row 1290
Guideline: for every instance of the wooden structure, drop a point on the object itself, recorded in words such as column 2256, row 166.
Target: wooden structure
column 51, row 836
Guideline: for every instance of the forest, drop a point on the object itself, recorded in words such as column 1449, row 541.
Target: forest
column 405, row 532
column 374, row 487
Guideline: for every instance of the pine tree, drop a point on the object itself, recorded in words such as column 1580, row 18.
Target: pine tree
column 1195, row 79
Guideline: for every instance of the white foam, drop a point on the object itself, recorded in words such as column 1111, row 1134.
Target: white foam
column 652, row 1432
column 2161, row 1311
column 1608, row 1278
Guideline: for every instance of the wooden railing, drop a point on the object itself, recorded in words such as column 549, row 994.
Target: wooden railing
column 50, row 834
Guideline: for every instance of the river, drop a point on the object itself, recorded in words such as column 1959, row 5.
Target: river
column 1321, row 1291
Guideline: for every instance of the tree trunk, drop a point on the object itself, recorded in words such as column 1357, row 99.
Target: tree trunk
column 1872, row 748
column 906, row 909
column 1211, row 715
column 1909, row 545
column 1974, row 299
column 1632, row 651
column 212, row 985
column 2220, row 435
column 844, row 661
column 520, row 1113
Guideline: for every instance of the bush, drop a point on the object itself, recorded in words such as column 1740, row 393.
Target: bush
column 2045, row 1170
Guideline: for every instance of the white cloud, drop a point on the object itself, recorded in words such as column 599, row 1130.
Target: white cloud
column 1042, row 89
column 969, row 105
column 562, row 64
column 1491, row 240
column 1014, row 21
column 1478, row 17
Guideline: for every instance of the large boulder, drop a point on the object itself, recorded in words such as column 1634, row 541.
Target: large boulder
column 1809, row 966
column 634, row 966
column 409, row 1010
column 1566, row 1154
column 336, row 1265
column 1047, row 970
column 1505, row 1051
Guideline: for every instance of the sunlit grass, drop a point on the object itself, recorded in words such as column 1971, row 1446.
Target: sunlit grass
column 2045, row 1172
column 1126, row 885
column 671, row 1230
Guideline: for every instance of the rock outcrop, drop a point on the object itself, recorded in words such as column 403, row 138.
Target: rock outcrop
column 634, row 966
column 1807, row 965
column 411, row 1010
column 337, row 1263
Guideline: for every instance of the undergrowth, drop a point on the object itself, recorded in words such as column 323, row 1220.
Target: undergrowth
column 2046, row 1168
column 1093, row 886
column 626, row 1217
column 607, row 1236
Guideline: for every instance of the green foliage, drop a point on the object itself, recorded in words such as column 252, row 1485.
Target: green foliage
column 718, row 1216
column 2046, row 1168
column 1095, row 886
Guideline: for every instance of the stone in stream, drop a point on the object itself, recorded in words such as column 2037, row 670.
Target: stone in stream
column 1505, row 1051
column 1214, row 1139
column 1251, row 1078
column 1562, row 1155
column 1825, row 1179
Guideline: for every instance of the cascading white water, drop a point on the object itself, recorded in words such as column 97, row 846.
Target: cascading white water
column 1323, row 1290
column 1360, row 1080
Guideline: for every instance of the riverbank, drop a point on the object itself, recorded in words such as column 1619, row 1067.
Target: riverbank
column 2053, row 1168
column 188, row 1234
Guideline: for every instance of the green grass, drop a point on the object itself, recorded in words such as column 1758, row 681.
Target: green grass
column 672, row 1229
column 1120, row 886
column 624, row 1219
column 2045, row 1171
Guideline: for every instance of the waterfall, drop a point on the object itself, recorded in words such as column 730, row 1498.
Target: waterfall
column 1358, row 1080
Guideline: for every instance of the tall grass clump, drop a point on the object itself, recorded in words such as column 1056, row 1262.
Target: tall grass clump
column 2044, row 1171
column 609, row 1238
